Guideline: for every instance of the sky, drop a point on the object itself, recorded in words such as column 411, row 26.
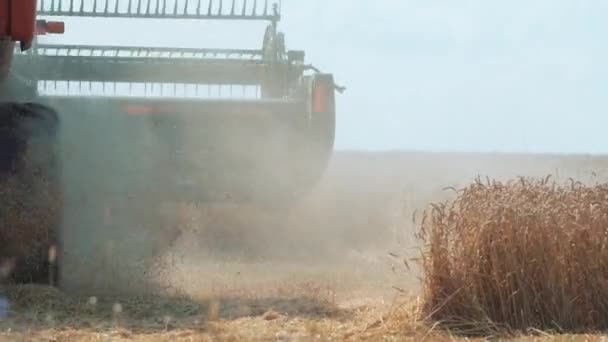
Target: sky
column 470, row 75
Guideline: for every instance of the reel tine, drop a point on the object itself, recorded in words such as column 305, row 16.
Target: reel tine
column 187, row 9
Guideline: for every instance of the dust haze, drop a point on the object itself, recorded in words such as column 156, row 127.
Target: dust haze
column 344, row 229
column 135, row 222
column 339, row 234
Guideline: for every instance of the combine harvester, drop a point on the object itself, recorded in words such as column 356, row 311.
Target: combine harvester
column 133, row 127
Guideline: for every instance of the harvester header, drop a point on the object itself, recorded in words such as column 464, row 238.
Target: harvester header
column 267, row 97
column 119, row 132
column 164, row 9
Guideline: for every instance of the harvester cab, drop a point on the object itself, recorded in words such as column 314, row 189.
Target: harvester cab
column 256, row 119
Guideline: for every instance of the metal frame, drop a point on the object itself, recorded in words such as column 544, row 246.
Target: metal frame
column 143, row 69
column 161, row 9
column 138, row 52
column 212, row 107
column 274, row 71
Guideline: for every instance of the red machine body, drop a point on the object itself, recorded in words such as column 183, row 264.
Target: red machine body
column 18, row 24
column 18, row 21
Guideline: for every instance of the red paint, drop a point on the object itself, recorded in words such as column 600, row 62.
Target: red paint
column 43, row 27
column 22, row 20
column 17, row 23
column 4, row 19
column 322, row 93
column 139, row 109
column 319, row 95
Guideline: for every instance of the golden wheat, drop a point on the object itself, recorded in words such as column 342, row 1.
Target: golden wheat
column 525, row 254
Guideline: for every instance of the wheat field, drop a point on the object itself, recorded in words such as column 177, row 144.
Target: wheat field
column 524, row 254
column 344, row 264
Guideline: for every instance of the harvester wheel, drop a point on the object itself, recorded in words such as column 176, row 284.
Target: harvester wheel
column 30, row 211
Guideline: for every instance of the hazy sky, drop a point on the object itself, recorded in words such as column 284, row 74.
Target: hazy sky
column 435, row 75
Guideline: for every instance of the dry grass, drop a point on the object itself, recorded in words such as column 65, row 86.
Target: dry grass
column 285, row 312
column 43, row 314
column 525, row 255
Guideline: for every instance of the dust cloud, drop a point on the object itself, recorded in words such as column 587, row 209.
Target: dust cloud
column 343, row 231
column 141, row 212
column 134, row 220
column 135, row 184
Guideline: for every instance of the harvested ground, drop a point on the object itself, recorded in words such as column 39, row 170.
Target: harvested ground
column 332, row 268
